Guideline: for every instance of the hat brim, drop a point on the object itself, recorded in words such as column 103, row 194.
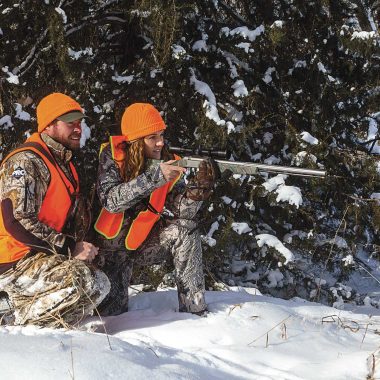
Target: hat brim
column 71, row 116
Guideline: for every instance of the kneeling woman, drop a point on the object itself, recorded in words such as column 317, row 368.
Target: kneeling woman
column 134, row 187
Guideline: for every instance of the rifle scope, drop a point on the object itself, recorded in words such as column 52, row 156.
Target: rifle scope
column 198, row 152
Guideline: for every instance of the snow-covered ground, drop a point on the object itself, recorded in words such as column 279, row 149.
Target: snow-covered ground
column 245, row 336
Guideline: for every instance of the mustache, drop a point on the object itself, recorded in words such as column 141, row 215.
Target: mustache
column 76, row 135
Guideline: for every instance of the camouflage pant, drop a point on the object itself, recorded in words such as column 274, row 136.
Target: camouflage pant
column 52, row 290
column 164, row 242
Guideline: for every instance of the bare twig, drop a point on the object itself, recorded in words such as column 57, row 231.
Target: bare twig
column 284, row 334
column 372, row 360
column 150, row 348
column 233, row 307
column 72, row 374
column 267, row 332
column 365, row 333
column 362, row 267
column 355, row 327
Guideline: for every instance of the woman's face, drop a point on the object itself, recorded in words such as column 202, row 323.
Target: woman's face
column 153, row 145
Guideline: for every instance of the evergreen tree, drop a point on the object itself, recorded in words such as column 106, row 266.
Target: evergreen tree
column 284, row 82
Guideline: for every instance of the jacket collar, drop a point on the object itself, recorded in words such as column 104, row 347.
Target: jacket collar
column 57, row 149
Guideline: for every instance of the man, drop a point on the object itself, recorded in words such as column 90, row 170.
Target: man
column 134, row 189
column 44, row 262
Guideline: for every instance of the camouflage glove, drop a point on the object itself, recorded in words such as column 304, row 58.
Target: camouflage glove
column 200, row 187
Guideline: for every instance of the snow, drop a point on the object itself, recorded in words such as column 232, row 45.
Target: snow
column 321, row 67
column 86, row 133
column 277, row 24
column 122, row 79
column 244, row 32
column 274, row 182
column 75, row 55
column 272, row 241
column 290, row 194
column 177, row 52
column 301, row 156
column 226, row 200
column 20, row 114
column 372, row 133
column 245, row 336
column 241, row 228
column 200, row 45
column 306, row 136
column 239, row 89
column 6, row 122
column 275, row 278
column 62, row 13
column 268, row 75
column 209, row 104
column 348, row 260
column 11, row 77
column 339, row 242
column 208, row 239
column 363, row 35
column 246, row 46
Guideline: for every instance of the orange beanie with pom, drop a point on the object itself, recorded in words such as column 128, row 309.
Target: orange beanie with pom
column 53, row 106
column 139, row 120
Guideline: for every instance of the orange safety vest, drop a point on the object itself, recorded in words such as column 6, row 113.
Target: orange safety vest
column 109, row 224
column 56, row 204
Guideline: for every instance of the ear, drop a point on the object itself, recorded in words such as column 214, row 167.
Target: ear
column 49, row 129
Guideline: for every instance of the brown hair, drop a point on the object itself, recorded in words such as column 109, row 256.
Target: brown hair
column 135, row 162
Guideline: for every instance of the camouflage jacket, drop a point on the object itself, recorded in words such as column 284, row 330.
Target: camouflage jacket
column 116, row 195
column 24, row 179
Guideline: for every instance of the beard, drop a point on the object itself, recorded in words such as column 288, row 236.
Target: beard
column 72, row 142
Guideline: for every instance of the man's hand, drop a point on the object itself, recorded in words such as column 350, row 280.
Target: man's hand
column 85, row 251
column 171, row 172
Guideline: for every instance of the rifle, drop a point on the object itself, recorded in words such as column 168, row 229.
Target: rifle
column 193, row 157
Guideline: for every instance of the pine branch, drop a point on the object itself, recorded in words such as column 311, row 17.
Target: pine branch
column 235, row 15
column 31, row 54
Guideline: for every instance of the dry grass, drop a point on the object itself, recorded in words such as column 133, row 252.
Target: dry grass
column 266, row 334
column 373, row 362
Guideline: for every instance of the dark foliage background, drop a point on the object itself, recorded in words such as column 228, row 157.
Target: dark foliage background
column 306, row 68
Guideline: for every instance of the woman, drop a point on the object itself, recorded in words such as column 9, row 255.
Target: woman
column 136, row 189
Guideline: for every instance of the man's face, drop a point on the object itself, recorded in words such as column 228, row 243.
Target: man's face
column 153, row 145
column 68, row 134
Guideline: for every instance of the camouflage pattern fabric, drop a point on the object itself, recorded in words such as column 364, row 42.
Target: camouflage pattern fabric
column 177, row 240
column 53, row 290
column 115, row 194
column 47, row 289
column 24, row 179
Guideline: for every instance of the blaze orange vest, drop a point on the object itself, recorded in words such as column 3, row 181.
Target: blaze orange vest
column 56, row 204
column 109, row 224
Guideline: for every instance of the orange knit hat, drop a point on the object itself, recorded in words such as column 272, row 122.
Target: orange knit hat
column 139, row 120
column 53, row 106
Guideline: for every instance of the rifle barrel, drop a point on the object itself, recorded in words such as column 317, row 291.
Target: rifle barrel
column 250, row 168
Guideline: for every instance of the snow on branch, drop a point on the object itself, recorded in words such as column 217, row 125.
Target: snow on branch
column 244, row 32
column 290, row 194
column 210, row 104
column 371, row 20
column 31, row 54
column 272, row 241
